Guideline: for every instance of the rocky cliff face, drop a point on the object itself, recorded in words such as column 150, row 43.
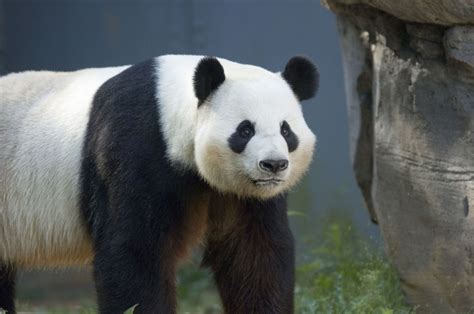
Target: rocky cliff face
column 443, row 12
column 409, row 74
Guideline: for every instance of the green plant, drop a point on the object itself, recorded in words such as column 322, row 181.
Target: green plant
column 347, row 275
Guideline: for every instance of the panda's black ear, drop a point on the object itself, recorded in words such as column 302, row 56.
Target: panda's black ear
column 208, row 76
column 302, row 76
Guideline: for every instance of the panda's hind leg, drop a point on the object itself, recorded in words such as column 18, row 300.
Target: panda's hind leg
column 7, row 287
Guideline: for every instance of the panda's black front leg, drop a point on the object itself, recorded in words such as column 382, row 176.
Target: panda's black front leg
column 137, row 242
column 253, row 260
column 134, row 267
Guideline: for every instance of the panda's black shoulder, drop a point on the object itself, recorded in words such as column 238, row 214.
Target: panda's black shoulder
column 134, row 87
column 124, row 113
column 124, row 128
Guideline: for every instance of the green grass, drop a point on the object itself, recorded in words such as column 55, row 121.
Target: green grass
column 347, row 275
column 196, row 291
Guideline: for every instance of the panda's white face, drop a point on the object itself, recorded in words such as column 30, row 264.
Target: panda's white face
column 251, row 137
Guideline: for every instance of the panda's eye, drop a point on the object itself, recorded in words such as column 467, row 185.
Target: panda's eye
column 289, row 136
column 245, row 129
column 246, row 132
column 285, row 129
column 242, row 135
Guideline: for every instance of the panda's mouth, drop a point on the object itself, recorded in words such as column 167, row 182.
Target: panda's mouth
column 267, row 182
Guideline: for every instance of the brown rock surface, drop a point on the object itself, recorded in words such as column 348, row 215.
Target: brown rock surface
column 410, row 96
column 443, row 12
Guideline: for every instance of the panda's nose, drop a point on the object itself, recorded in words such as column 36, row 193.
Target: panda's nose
column 273, row 166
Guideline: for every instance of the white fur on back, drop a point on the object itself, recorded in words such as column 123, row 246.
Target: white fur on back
column 43, row 119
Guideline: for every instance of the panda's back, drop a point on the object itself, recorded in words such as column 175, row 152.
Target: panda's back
column 43, row 119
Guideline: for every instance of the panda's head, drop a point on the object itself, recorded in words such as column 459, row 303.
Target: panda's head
column 251, row 137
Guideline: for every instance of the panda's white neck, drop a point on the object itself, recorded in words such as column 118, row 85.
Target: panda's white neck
column 177, row 106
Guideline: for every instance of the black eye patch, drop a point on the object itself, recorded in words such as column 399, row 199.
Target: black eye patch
column 242, row 135
column 289, row 136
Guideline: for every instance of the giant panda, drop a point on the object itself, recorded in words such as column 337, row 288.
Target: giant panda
column 128, row 168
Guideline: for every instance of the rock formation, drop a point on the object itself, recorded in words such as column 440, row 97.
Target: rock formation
column 409, row 75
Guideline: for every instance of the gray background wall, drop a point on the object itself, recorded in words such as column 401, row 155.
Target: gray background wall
column 2, row 33
column 68, row 35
